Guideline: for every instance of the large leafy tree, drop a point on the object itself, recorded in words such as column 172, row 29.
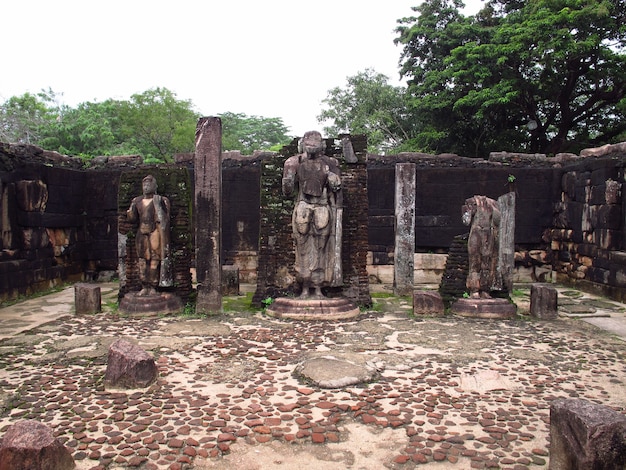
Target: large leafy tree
column 88, row 130
column 250, row 133
column 25, row 118
column 534, row 75
column 368, row 105
column 158, row 124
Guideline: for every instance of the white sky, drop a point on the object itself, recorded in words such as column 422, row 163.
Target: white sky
column 270, row 58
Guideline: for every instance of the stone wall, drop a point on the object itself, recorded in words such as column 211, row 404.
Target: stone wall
column 59, row 218
column 43, row 219
column 588, row 237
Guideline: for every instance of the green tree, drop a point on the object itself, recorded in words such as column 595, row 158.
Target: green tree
column 89, row 130
column 368, row 105
column 250, row 133
column 24, row 118
column 536, row 75
column 158, row 124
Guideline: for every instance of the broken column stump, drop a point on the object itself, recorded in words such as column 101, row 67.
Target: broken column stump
column 87, row 298
column 585, row 435
column 428, row 302
column 543, row 302
column 129, row 366
column 230, row 280
column 30, row 445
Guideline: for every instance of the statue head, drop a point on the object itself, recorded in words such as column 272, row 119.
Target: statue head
column 149, row 185
column 312, row 143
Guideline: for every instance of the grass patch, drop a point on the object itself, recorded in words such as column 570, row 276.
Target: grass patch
column 239, row 304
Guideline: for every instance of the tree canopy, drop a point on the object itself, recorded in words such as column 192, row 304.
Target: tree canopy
column 368, row 105
column 154, row 124
column 535, row 75
column 249, row 133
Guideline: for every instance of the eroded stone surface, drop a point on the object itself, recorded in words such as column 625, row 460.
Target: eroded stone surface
column 336, row 370
column 29, row 444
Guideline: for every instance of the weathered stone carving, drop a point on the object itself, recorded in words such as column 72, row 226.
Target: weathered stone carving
column 316, row 181
column 152, row 214
column 483, row 216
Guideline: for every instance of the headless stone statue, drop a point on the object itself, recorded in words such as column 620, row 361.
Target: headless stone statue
column 316, row 181
column 483, row 216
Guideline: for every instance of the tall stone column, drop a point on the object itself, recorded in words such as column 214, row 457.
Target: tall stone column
column 208, row 214
column 403, row 275
column 506, row 249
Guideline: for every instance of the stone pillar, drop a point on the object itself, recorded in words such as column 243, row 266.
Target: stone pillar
column 403, row 275
column 585, row 435
column 87, row 298
column 208, row 214
column 506, row 249
column 543, row 302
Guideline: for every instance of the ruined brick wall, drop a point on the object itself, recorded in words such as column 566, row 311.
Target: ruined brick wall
column 275, row 275
column 588, row 237
column 241, row 199
column 59, row 218
column 442, row 185
column 43, row 233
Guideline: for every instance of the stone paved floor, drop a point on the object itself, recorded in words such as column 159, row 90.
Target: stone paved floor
column 451, row 392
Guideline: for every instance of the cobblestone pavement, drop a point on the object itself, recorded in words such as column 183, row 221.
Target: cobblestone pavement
column 450, row 393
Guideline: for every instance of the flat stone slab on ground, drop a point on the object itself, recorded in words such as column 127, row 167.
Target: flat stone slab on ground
column 336, row 369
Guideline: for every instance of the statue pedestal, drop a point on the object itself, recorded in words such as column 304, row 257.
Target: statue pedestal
column 313, row 309
column 484, row 308
column 160, row 303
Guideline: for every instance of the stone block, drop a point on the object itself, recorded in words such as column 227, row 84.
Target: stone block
column 426, row 302
column 543, row 302
column 585, row 435
column 87, row 298
column 129, row 366
column 30, row 445
column 230, row 280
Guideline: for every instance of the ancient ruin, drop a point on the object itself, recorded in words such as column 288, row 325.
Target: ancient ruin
column 404, row 383
column 150, row 213
column 317, row 225
column 483, row 215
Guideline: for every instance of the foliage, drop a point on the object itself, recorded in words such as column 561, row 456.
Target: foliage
column 159, row 124
column 22, row 118
column 88, row 130
column 154, row 124
column 537, row 75
column 368, row 105
column 250, row 133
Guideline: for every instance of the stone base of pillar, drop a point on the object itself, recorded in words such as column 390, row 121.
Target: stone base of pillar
column 484, row 308
column 160, row 303
column 313, row 309
column 87, row 298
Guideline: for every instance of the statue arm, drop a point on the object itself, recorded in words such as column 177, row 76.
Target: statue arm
column 334, row 181
column 131, row 213
column 289, row 175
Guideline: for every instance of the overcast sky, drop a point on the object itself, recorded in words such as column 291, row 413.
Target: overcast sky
column 270, row 58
